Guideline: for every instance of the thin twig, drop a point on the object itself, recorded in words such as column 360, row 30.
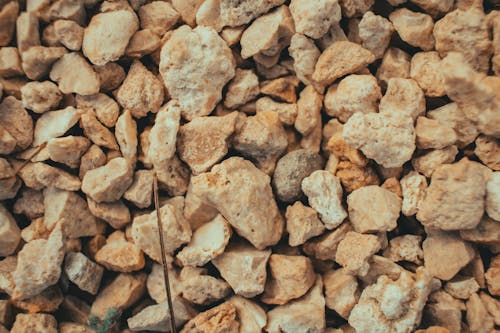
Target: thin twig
column 163, row 258
column 26, row 161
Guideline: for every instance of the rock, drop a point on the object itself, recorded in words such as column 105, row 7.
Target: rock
column 259, row 221
column 306, row 314
column 40, row 175
column 429, row 162
column 353, row 8
column 440, row 247
column 486, row 232
column 7, row 141
column 305, row 55
column 141, row 92
column 283, row 88
column 204, row 141
column 69, row 33
column 375, row 33
column 462, row 287
column 17, row 122
column 115, row 213
column 30, row 204
column 104, row 107
column 66, row 327
column 40, row 97
column 37, row 322
column 291, row 277
column 478, row 318
column 10, row 62
column 414, row 187
column 68, row 150
column 38, row 265
column 251, row 316
column 488, row 151
column 395, row 137
column 120, row 255
column 109, row 182
column 157, row 317
column 83, row 82
column 455, row 197
column 492, row 276
column 126, row 135
column 200, row 288
column 175, row 228
column 324, row 193
column 173, row 177
column 340, row 59
column 395, row 64
column 243, row 88
column 414, row 28
column 207, row 242
column 354, row 252
column 426, row 70
column 355, row 93
column 492, row 305
column 38, row 60
column 185, row 64
column 431, row 133
column 69, row 211
column 302, row 223
column 158, row 16
column 493, row 196
column 7, row 283
column 8, row 16
column 121, row 293
column 93, row 158
column 394, row 305
column 244, row 268
column 341, row 291
column 27, row 31
column 403, row 97
column 83, row 272
column 53, row 124
column 156, row 282
column 142, row 43
column 110, row 75
column 220, row 319
column 373, row 209
column 308, row 111
column 325, row 247
column 10, row 234
column 76, row 309
column 107, row 35
column 405, row 248
column 141, row 191
column 315, row 20
column 354, row 177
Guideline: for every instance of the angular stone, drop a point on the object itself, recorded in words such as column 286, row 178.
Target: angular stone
column 341, row 291
column 16, row 121
column 37, row 322
column 141, row 191
column 54, row 124
column 403, row 97
column 68, row 150
column 83, row 272
column 83, row 82
column 395, row 64
column 120, row 255
column 314, row 19
column 302, row 223
column 478, row 318
column 8, row 16
column 462, row 287
column 355, row 251
column 40, row 97
column 104, row 107
column 426, row 164
column 375, row 33
column 242, row 89
column 414, row 28
column 251, row 316
column 97, row 132
column 431, row 133
column 220, row 319
column 115, row 213
column 325, row 247
column 200, row 288
column 10, row 234
column 407, row 248
column 40, row 175
column 305, row 55
column 492, row 276
column 93, row 158
column 413, row 187
column 126, row 135
column 158, row 16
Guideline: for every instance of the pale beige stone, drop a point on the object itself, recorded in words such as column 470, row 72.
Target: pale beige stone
column 455, row 198
column 69, row 34
column 375, row 33
column 185, row 65
column 405, row 248
column 7, row 141
column 39, row 265
column 10, row 62
column 334, row 34
column 115, row 214
column 488, row 151
column 176, row 231
column 451, row 115
column 83, row 272
column 353, row 176
column 403, row 97
column 109, row 182
column 426, row 164
column 302, row 223
column 431, row 133
column 70, row 212
column 493, row 276
column 220, row 319
column 486, row 232
column 395, row 137
column 244, row 268
column 200, row 288
column 40, row 175
column 126, row 136
column 10, row 234
column 9, row 187
column 305, row 55
column 97, row 132
column 156, row 282
column 291, row 277
column 187, row 9
column 352, row 8
column 36, row 322
column 7, row 283
column 395, row 64
column 27, row 31
column 426, row 70
column 231, row 35
column 37, row 60
column 465, row 31
column 283, row 88
column 341, row 291
column 17, row 122
column 314, row 19
column 84, row 81
column 47, row 301
column 29, row 203
column 413, row 186
column 93, row 158
column 478, row 318
column 354, row 252
column 141, row 191
column 243, row 88
column 392, row 305
column 120, row 255
column 251, row 316
column 306, row 314
column 492, row 305
column 66, row 327
column 355, row 93
column 461, row 287
column 493, row 196
column 141, row 92
column 121, row 293
column 108, row 34
column 414, row 28
column 439, row 248
column 221, row 13
column 373, row 209
column 40, row 97
column 68, row 149
column 340, row 59
column 207, row 242
column 435, row 7
column 259, row 221
column 173, row 176
column 104, row 107
column 8, row 16
column 110, row 75
column 337, row 146
column 158, row 16
column 204, row 141
column 53, row 124
column 308, row 110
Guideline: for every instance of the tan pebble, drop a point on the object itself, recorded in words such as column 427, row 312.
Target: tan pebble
column 111, row 75
column 93, row 158
column 308, row 110
column 395, row 64
column 314, row 19
column 222, row 318
column 282, row 88
column 492, row 276
column 68, row 150
column 403, row 97
column 69, row 33
column 37, row 61
column 27, row 31
column 477, row 316
column 104, row 107
column 354, row 252
column 353, row 176
column 461, row 287
column 251, row 316
column 97, row 132
column 8, row 16
column 187, row 9
column 302, row 223
column 158, row 16
column 305, row 55
column 375, row 33
column 405, row 248
column 10, row 62
column 414, row 187
column 10, row 234
column 426, row 164
column 243, row 88
column 53, row 124
column 141, row 190
column 40, row 97
column 341, row 291
column 29, row 203
column 120, row 255
column 115, row 213
column 414, row 28
column 83, row 272
column 40, row 175
column 426, row 70
column 17, row 122
column 84, row 81
column 431, row 133
column 37, row 322
column 142, row 43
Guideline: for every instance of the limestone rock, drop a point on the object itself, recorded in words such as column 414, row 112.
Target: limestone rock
column 242, row 89
column 259, row 220
column 110, row 75
column 220, row 319
column 10, row 235
column 493, row 196
column 341, row 291
column 185, row 65
column 488, row 151
column 375, row 33
column 40, row 175
column 414, row 28
column 93, row 158
column 395, row 64
column 126, row 135
column 54, row 124
column 141, row 191
column 492, row 276
column 200, row 288
column 36, row 322
column 373, row 209
column 7, row 283
column 104, row 107
column 188, row 9
column 413, row 186
column 282, row 88
column 324, row 192
column 251, row 316
column 29, row 203
column 10, row 62
column 405, row 248
column 302, row 223
column 308, row 110
column 158, row 16
column 68, row 150
column 8, row 16
column 204, row 141
column 426, row 70
column 109, row 182
column 40, row 96
column 244, row 268
column 353, row 8
column 83, row 82
column 426, row 164
column 291, row 277
column 38, row 265
column 451, row 115
column 455, row 198
column 431, row 133
column 83, row 272
column 208, row 242
column 17, row 122
column 305, row 55
column 97, row 132
column 340, row 59
column 403, row 97
column 115, row 213
column 37, row 60
column 462, row 287
column 156, row 282
column 478, row 318
column 354, row 252
column 325, row 247
column 108, row 34
column 314, row 19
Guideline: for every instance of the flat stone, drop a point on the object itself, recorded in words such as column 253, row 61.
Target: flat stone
column 83, row 272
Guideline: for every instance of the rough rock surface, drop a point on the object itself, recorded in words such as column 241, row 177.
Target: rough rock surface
column 341, row 291
column 83, row 272
column 220, row 319
column 302, row 223
column 314, row 19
